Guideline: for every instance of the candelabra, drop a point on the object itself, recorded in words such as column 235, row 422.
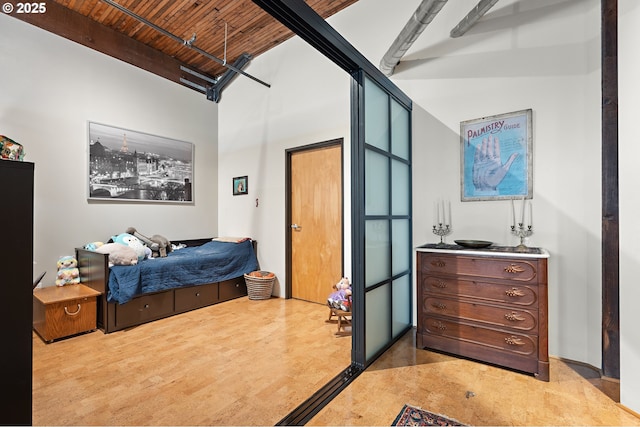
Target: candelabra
column 442, row 230
column 522, row 232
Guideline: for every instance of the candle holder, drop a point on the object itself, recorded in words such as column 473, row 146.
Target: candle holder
column 442, row 230
column 522, row 232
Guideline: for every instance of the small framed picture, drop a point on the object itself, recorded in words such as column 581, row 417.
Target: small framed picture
column 240, row 185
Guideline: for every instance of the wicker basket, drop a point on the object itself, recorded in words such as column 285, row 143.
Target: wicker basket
column 259, row 284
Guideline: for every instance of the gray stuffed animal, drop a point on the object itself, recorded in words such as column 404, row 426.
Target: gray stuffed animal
column 160, row 246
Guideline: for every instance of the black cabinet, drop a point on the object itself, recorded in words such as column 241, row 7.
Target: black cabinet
column 16, row 291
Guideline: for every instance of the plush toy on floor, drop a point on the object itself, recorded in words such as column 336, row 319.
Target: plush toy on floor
column 68, row 273
column 340, row 298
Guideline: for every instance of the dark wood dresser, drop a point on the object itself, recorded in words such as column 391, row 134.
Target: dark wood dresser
column 485, row 304
column 16, row 290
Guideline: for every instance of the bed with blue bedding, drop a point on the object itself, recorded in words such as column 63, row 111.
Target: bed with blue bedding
column 203, row 273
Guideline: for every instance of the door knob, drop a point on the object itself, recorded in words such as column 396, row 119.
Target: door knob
column 296, row 227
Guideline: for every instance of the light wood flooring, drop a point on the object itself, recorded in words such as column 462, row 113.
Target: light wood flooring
column 247, row 362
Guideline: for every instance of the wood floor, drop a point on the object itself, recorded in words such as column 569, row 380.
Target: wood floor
column 247, row 362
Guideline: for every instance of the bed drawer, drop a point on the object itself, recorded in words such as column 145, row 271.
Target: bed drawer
column 196, row 297
column 233, row 288
column 143, row 309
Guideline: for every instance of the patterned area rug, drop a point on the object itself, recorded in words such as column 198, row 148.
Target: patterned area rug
column 412, row 416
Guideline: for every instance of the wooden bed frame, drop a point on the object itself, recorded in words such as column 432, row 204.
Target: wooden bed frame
column 94, row 272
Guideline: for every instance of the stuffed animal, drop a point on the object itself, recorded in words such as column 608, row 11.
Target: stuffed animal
column 133, row 242
column 93, row 246
column 159, row 245
column 11, row 150
column 119, row 254
column 340, row 298
column 68, row 273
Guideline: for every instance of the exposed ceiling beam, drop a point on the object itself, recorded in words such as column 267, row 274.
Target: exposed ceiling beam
column 424, row 14
column 476, row 13
column 188, row 43
column 87, row 32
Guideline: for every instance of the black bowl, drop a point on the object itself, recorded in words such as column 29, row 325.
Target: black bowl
column 473, row 243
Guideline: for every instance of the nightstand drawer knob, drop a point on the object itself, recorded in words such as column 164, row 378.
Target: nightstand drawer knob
column 75, row 313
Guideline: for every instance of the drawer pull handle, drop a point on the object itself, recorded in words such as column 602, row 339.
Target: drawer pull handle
column 439, row 305
column 513, row 341
column 438, row 263
column 439, row 325
column 197, row 294
column 146, row 306
column 514, row 268
column 514, row 317
column 514, row 292
column 75, row 313
column 439, row 284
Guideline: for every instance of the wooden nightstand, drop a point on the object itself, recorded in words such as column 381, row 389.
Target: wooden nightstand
column 62, row 311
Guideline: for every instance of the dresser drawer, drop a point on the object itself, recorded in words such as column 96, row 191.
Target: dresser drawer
column 144, row 308
column 196, row 297
column 516, row 270
column 490, row 339
column 501, row 317
column 521, row 294
column 234, row 288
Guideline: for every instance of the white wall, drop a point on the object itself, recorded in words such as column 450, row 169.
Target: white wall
column 521, row 55
column 629, row 153
column 50, row 87
column 308, row 102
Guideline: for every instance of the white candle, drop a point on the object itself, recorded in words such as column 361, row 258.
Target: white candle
column 435, row 214
column 530, row 214
column 513, row 214
column 438, row 212
column 444, row 219
column 522, row 219
column 449, row 213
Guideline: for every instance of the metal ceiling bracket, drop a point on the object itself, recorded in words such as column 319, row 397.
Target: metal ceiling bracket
column 215, row 92
column 424, row 14
column 476, row 13
column 187, row 43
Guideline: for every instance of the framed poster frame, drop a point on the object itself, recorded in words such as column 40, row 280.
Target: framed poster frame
column 496, row 157
column 240, row 185
column 133, row 166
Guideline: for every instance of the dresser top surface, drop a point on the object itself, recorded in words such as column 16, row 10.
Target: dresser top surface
column 494, row 251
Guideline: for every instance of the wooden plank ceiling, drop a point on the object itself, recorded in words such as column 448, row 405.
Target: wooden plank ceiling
column 101, row 26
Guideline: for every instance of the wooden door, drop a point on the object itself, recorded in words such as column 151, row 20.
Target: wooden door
column 316, row 222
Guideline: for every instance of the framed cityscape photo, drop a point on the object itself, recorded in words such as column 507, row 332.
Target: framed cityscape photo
column 127, row 165
column 496, row 160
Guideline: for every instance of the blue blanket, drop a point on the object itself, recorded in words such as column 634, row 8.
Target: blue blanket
column 197, row 265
